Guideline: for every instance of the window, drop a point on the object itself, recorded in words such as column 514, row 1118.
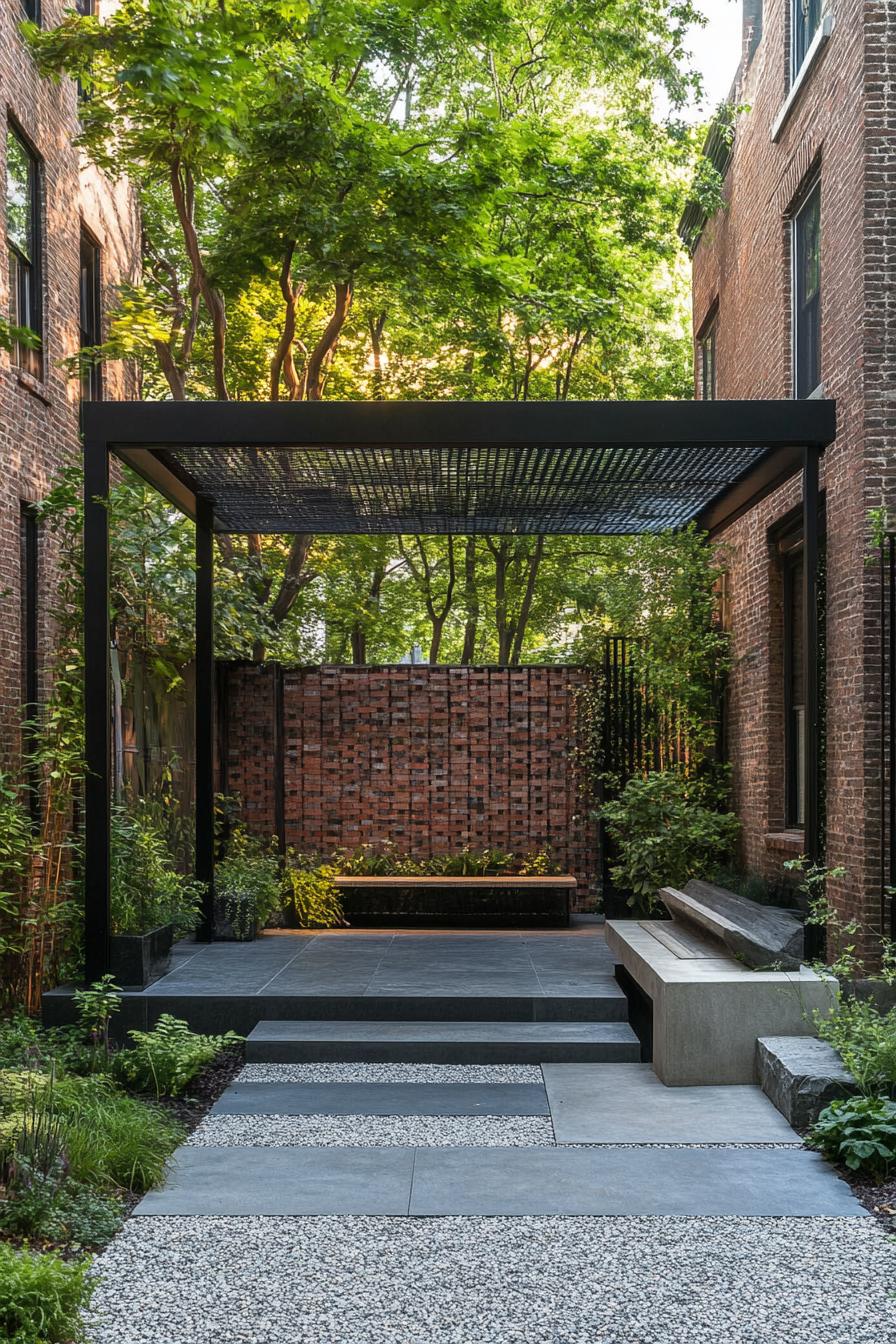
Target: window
column 806, row 246
column 707, row 352
column 32, row 10
column 794, row 683
column 23, row 237
column 806, row 18
column 91, row 329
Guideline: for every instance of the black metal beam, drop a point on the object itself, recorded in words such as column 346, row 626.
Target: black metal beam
column 205, row 716
column 97, row 712
column 811, row 653
column 170, row 424
column 775, row 469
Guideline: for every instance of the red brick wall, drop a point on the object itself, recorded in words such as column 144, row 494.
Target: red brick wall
column 431, row 758
column 843, row 121
column 39, row 419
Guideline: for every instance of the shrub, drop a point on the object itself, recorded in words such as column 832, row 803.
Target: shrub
column 57, row 1208
column 312, row 896
column 388, row 861
column 42, row 1297
column 865, row 1040
column 248, row 882
column 85, row 1128
column 147, row 890
column 666, row 830
column 859, row 1132
column 167, row 1059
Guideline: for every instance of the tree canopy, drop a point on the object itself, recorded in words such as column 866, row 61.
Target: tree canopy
column 396, row 199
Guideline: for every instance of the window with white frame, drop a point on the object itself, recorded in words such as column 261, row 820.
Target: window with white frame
column 806, row 18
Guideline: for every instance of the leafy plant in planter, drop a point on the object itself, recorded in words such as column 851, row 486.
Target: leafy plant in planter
column 666, row 828
column 859, row 1132
column 248, row 885
column 147, row 890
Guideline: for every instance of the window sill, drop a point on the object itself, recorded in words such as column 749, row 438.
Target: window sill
column 34, row 386
column 818, row 44
column 786, row 842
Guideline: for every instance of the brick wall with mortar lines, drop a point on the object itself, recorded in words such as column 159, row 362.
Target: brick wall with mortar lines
column 743, row 264
column 430, row 758
column 39, row 419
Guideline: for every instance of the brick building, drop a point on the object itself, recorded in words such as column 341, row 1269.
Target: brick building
column 70, row 236
column 794, row 289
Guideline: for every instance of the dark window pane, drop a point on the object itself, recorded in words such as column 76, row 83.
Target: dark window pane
column 708, row 364
column 32, row 10
column 807, row 295
column 19, row 196
column 806, row 18
column 90, row 316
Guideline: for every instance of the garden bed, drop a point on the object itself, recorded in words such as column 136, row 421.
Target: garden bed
column 439, row 902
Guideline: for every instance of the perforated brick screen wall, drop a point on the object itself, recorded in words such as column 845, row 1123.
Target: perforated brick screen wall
column 430, row 758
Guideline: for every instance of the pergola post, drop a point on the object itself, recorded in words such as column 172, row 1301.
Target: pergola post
column 205, row 715
column 811, row 668
column 97, row 712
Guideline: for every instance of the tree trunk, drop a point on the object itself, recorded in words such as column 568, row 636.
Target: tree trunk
column 322, row 354
column 182, row 191
column 376, row 325
column 471, row 602
column 526, row 605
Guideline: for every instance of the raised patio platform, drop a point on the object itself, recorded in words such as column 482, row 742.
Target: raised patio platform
column 352, row 976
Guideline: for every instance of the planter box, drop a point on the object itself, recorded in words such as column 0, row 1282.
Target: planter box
column 224, row 930
column 506, row 902
column 139, row 958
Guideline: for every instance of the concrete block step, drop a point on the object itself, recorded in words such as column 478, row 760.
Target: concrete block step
column 276, row 1042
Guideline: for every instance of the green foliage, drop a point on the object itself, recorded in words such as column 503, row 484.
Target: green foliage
column 147, row 890
column 387, row 861
column 311, row 895
column 18, row 847
column 865, row 1040
column 666, row 829
column 96, row 1006
column 42, row 1297
column 63, row 1210
column 166, row 1059
column 860, row 1132
column 248, row 883
column 24, row 1043
column 86, row 1128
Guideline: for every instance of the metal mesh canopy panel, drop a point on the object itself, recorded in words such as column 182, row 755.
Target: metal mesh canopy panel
column 462, row 467
column 481, row 488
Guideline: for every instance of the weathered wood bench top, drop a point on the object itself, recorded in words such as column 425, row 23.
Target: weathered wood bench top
column 561, row 880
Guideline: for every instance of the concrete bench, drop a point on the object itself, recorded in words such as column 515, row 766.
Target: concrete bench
column 708, row 1008
column 459, row 901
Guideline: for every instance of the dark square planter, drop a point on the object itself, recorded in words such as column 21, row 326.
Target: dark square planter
column 224, row 930
column 139, row 958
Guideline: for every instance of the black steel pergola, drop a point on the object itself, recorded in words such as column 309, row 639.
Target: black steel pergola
column 596, row 468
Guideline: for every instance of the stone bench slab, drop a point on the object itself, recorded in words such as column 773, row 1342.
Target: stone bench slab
column 759, row 935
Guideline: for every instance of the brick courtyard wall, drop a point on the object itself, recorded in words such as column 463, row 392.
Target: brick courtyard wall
column 430, row 758
column 844, row 122
column 39, row 418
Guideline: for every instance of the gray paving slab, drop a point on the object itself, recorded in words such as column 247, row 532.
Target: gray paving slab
column 627, row 1103
column 234, row 1181
column 775, row 1182
column 495, row 1099
column 231, row 1181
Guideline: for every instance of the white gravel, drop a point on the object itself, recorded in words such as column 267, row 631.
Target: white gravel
column 373, row 1131
column 390, row 1073
column 341, row 1280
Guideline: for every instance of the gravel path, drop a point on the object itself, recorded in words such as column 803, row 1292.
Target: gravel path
column 373, row 1131
column 390, row 1073
column 496, row 1281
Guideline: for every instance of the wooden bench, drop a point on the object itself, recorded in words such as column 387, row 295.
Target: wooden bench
column 501, row 902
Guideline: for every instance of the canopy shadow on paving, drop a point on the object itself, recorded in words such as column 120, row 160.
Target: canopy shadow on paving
column 586, row 468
